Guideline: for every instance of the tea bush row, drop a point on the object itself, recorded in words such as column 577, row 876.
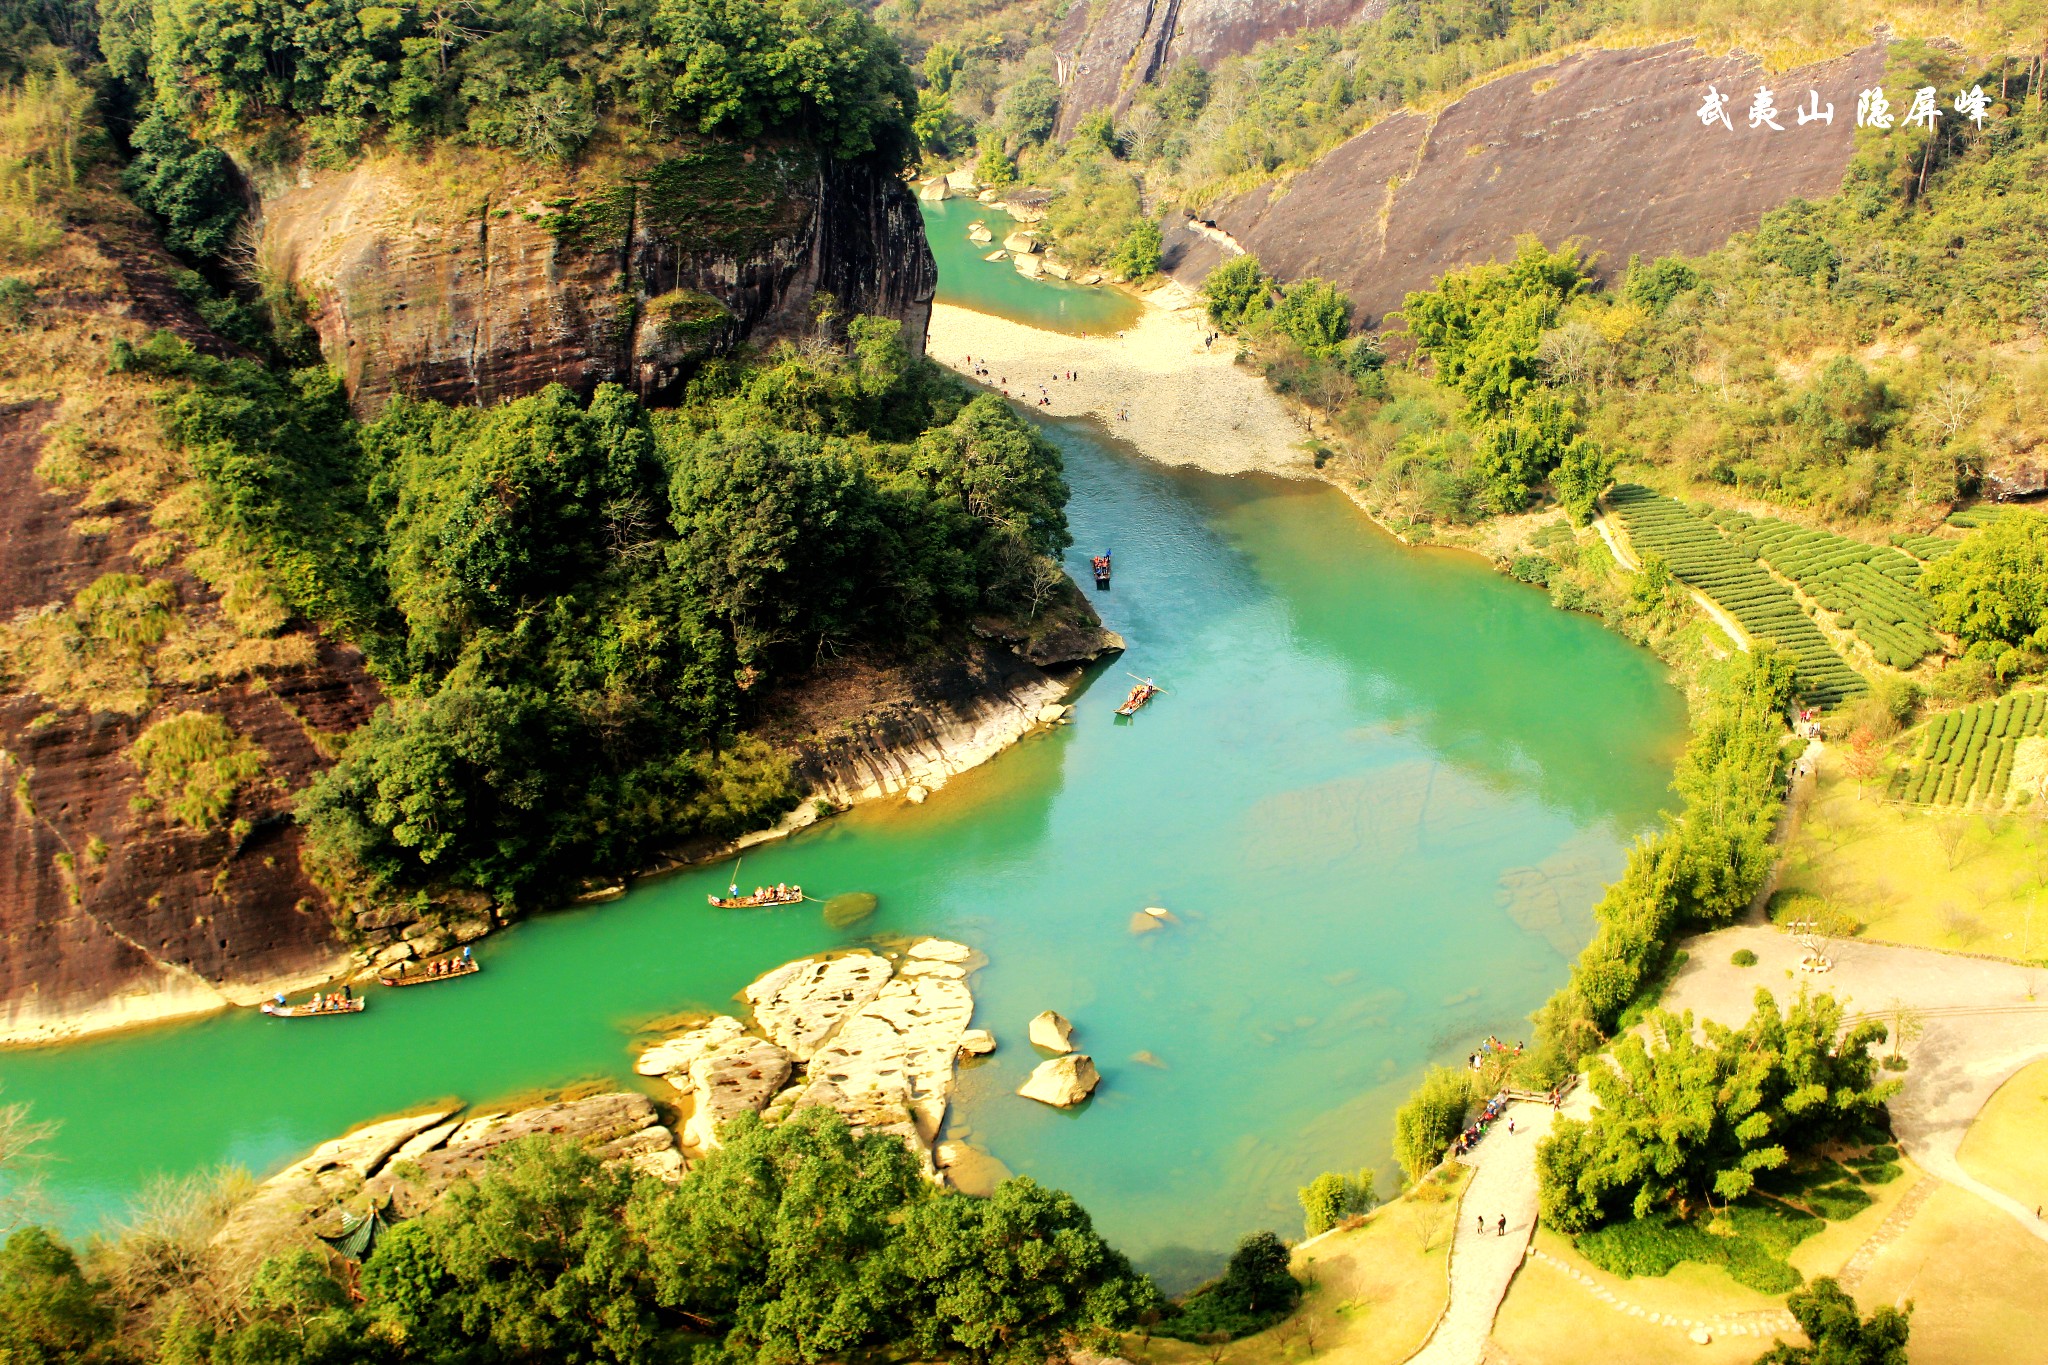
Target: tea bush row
column 1966, row 756
column 1872, row 589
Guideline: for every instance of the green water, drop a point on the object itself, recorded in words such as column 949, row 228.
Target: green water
column 996, row 287
column 1380, row 795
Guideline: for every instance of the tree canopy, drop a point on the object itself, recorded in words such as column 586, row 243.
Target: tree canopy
column 1993, row 591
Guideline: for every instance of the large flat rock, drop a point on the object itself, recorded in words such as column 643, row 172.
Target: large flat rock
column 800, row 1005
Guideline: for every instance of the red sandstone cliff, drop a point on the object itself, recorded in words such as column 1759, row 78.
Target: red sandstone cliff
column 1108, row 49
column 111, row 911
column 1605, row 146
column 473, row 276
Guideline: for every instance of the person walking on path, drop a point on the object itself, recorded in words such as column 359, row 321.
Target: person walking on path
column 1502, row 1230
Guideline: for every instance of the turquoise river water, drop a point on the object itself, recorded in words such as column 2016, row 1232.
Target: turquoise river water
column 1380, row 796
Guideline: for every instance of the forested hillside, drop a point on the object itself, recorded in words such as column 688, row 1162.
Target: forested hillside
column 570, row 605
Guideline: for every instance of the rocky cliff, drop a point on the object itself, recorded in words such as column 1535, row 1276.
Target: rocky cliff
column 114, row 910
column 1603, row 145
column 1108, row 49
column 472, row 276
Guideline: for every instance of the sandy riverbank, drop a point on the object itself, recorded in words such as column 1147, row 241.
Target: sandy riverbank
column 1186, row 404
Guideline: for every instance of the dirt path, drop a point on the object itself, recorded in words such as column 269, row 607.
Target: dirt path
column 1483, row 1259
column 1155, row 385
column 1617, row 544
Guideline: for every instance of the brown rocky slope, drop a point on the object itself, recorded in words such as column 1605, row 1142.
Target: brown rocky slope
column 1604, row 145
column 1109, row 49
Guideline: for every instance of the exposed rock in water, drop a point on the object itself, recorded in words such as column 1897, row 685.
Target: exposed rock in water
column 977, row 1042
column 1051, row 1031
column 876, row 1042
column 1604, row 145
column 979, row 234
column 494, row 275
column 414, row 1159
column 1109, row 50
column 802, row 1003
column 969, row 1169
column 1030, row 267
column 1062, row 1082
column 675, row 1055
column 734, row 1078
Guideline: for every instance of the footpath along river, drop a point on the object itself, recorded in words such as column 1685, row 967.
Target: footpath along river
column 1380, row 796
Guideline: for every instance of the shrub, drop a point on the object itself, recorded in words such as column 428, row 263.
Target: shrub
column 1430, row 1121
column 1332, row 1197
column 1256, row 1290
column 1743, row 957
column 193, row 763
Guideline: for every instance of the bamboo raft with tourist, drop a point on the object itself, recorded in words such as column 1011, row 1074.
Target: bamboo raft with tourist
column 1142, row 693
column 763, row 898
column 346, row 1002
column 446, row 969
column 1100, row 564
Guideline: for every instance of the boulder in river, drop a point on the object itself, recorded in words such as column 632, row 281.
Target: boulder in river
column 1051, row 1031
column 1030, row 267
column 934, row 191
column 1020, row 244
column 1062, row 1082
column 997, row 255
column 977, row 1042
column 978, row 232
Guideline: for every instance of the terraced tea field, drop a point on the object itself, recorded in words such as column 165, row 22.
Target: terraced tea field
column 1704, row 559
column 1966, row 757
column 1872, row 590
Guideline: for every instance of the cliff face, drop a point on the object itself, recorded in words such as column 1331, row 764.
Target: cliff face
column 1605, row 146
column 475, row 276
column 1108, row 49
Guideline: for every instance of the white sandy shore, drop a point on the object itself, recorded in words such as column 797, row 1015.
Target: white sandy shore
column 1185, row 404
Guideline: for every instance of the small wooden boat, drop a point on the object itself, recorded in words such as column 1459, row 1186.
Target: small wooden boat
column 461, row 966
column 1101, row 566
column 790, row 896
column 1142, row 693
column 312, row 1009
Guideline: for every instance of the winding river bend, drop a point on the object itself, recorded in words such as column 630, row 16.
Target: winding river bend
column 1380, row 796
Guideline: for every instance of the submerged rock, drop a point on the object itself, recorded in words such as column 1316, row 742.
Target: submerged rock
column 1062, row 1082
column 1051, row 1031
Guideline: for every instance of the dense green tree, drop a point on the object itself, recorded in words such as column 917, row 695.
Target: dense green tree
column 1993, row 591
column 1315, row 314
column 1032, row 108
column 1010, row 1277
column 1332, row 1197
column 1137, row 256
column 1583, row 472
column 1690, row 1114
column 189, row 188
column 50, row 1313
column 1430, row 1120
column 1482, row 325
column 1654, row 284
column 1837, row 1335
column 1236, row 291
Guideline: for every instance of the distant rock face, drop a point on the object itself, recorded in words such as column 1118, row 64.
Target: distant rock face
column 1603, row 145
column 1062, row 1082
column 1108, row 49
column 477, row 275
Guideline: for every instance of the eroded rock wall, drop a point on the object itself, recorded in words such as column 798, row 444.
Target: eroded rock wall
column 473, row 276
column 1603, row 145
column 1109, row 49
column 112, row 913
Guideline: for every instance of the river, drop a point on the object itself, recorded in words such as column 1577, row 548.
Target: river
column 1380, row 796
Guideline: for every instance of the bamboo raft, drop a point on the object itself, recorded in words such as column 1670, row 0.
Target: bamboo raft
column 793, row 896
column 308, row 1010
column 1142, row 693
column 459, row 967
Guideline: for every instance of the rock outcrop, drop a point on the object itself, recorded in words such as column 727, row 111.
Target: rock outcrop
column 411, row 1161
column 476, row 275
column 113, row 913
column 1062, row 1082
column 873, row 1038
column 1108, row 50
column 1602, row 145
